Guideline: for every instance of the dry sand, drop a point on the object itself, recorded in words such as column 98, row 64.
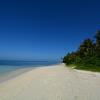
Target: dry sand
column 52, row 83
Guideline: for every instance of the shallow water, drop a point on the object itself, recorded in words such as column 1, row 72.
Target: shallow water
column 7, row 66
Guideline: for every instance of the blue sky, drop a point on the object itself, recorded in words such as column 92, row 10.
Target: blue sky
column 45, row 29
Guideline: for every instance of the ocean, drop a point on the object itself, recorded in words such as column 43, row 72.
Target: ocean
column 7, row 66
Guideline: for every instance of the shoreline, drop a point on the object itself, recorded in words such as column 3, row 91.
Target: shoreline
column 18, row 72
column 55, row 82
column 13, row 74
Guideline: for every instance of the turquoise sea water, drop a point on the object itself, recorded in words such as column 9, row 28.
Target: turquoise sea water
column 12, row 65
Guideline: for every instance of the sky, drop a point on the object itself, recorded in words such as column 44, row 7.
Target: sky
column 45, row 29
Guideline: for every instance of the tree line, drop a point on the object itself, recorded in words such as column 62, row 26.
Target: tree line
column 87, row 55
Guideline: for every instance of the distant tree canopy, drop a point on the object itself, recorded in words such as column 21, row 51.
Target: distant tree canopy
column 88, row 53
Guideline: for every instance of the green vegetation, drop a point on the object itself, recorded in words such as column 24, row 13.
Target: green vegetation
column 87, row 57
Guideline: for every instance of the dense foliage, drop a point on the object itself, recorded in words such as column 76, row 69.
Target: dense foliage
column 87, row 55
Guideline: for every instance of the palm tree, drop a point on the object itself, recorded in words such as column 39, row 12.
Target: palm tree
column 86, row 48
column 98, row 43
column 98, row 38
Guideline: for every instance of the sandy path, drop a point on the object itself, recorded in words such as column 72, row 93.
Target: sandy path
column 52, row 83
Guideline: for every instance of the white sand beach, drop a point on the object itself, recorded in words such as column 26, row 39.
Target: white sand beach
column 52, row 83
